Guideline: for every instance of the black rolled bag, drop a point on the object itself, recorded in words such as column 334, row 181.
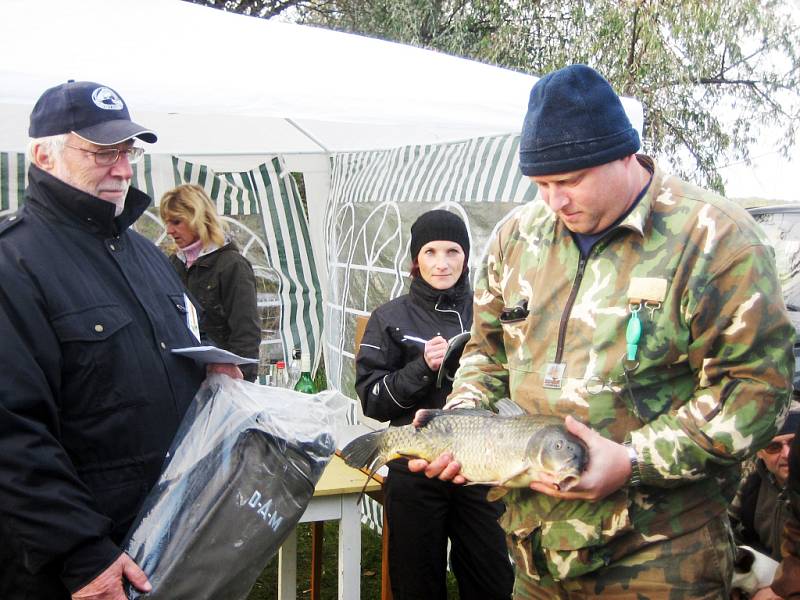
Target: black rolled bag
column 238, row 477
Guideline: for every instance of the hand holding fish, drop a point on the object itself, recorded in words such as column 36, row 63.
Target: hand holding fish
column 435, row 349
column 609, row 469
column 442, row 467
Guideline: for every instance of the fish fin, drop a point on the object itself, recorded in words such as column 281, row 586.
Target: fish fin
column 506, row 407
column 364, row 452
column 475, row 412
column 426, row 415
column 496, row 493
column 516, row 473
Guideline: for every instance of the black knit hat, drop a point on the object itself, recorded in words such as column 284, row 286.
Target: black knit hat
column 575, row 120
column 791, row 424
column 438, row 225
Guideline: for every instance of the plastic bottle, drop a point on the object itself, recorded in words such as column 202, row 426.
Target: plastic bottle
column 294, row 368
column 305, row 384
column 281, row 379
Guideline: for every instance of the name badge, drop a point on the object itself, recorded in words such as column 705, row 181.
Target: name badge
column 647, row 289
column 192, row 322
column 553, row 375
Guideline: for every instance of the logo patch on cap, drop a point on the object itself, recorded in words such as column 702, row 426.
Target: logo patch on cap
column 106, row 99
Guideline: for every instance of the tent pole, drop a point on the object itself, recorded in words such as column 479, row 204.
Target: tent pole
column 308, row 135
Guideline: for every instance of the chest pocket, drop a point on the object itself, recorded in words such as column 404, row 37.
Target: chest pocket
column 411, row 344
column 91, row 356
column 93, row 324
column 516, row 321
column 209, row 294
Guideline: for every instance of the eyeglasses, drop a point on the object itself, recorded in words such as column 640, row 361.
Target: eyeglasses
column 776, row 446
column 109, row 156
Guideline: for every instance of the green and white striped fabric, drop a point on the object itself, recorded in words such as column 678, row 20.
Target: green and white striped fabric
column 477, row 170
column 270, row 190
column 13, row 179
column 268, row 193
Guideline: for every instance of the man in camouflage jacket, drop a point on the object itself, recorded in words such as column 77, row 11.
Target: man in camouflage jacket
column 648, row 313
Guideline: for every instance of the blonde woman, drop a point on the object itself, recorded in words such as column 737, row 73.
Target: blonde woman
column 211, row 268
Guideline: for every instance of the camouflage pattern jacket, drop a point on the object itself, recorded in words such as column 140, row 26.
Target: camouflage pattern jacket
column 709, row 383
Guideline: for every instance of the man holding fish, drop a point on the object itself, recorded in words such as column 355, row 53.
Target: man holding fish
column 645, row 313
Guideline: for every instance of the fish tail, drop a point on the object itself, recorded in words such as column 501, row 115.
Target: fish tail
column 365, row 451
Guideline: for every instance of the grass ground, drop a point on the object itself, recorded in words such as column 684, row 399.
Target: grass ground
column 266, row 588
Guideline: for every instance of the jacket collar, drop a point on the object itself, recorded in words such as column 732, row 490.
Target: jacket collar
column 69, row 204
column 639, row 216
column 206, row 255
column 429, row 297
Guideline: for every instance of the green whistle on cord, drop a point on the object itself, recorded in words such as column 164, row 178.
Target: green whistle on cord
column 632, row 335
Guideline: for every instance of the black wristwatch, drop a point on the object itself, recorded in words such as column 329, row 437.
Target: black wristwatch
column 636, row 475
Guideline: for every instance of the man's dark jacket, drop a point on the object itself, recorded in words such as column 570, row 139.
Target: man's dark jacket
column 90, row 396
column 224, row 285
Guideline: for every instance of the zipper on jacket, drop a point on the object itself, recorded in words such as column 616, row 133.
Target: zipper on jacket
column 562, row 326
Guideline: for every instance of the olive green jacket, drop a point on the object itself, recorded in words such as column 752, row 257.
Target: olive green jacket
column 709, row 381
column 223, row 283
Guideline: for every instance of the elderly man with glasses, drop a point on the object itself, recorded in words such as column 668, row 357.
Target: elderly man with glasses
column 761, row 507
column 90, row 394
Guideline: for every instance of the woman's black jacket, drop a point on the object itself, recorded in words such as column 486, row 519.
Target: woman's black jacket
column 393, row 380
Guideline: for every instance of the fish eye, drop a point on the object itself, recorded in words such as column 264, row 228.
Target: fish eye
column 559, row 444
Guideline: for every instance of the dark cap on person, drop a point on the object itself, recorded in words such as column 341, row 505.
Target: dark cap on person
column 792, row 422
column 438, row 225
column 575, row 120
column 91, row 110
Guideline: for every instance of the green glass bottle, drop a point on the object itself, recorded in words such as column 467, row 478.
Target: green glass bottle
column 305, row 384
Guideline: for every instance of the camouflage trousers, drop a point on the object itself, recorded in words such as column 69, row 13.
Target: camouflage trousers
column 697, row 565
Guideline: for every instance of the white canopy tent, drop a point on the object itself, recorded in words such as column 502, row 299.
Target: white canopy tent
column 226, row 85
column 212, row 82
column 229, row 92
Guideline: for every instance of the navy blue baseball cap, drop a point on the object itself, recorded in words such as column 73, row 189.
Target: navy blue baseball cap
column 91, row 110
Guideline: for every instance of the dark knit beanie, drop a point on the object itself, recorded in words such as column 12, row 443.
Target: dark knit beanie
column 575, row 120
column 438, row 225
column 791, row 424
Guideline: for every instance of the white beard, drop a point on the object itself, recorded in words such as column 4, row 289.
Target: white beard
column 119, row 205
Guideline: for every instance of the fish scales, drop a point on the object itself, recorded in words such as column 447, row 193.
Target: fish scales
column 492, row 449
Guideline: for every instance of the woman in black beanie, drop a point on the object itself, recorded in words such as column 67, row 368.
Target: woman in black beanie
column 400, row 355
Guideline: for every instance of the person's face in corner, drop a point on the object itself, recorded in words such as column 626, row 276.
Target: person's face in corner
column 79, row 169
column 776, row 456
column 181, row 232
column 589, row 200
column 441, row 263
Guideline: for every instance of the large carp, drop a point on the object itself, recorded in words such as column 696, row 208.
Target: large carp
column 501, row 451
